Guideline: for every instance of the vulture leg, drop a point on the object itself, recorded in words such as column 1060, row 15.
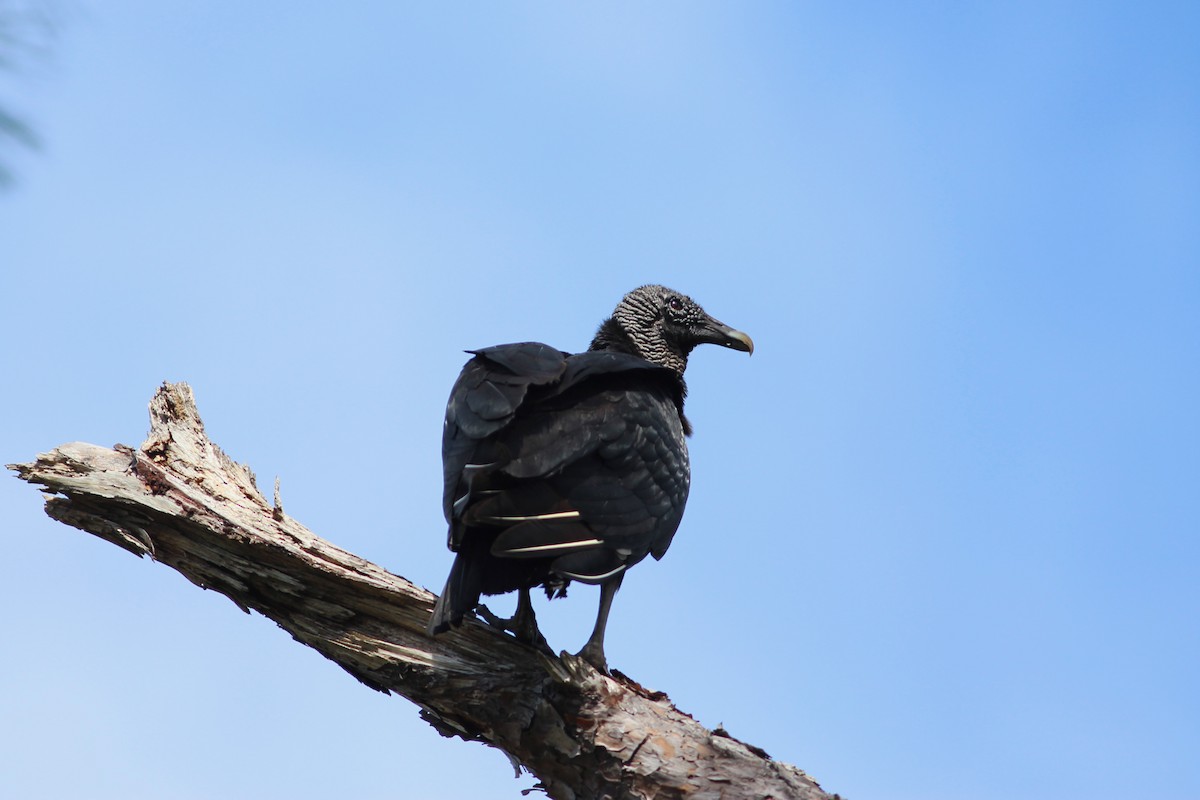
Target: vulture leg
column 593, row 651
column 522, row 624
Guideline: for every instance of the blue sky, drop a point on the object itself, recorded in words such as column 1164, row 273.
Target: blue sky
column 943, row 534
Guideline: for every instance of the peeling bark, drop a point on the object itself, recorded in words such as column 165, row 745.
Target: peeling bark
column 180, row 500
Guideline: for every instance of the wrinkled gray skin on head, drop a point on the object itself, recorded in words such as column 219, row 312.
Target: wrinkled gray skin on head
column 663, row 326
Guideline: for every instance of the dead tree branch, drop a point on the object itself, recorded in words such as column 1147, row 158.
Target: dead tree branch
column 180, row 500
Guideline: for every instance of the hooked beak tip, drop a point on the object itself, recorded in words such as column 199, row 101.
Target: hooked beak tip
column 740, row 341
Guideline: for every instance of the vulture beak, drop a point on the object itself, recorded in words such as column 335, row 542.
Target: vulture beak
column 713, row 332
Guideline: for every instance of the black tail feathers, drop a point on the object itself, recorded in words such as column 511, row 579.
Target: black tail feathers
column 460, row 595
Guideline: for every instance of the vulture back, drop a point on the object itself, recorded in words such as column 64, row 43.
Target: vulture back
column 558, row 467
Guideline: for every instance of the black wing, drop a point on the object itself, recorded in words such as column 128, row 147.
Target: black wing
column 485, row 399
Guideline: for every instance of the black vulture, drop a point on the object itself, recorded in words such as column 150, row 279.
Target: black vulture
column 563, row 467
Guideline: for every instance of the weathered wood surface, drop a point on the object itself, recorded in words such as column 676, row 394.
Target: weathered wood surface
column 183, row 502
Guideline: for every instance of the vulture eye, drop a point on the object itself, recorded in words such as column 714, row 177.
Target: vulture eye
column 675, row 303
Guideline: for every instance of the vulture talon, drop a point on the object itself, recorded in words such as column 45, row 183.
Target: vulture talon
column 486, row 614
column 561, row 467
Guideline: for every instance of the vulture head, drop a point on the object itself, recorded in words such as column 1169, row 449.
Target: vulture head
column 662, row 326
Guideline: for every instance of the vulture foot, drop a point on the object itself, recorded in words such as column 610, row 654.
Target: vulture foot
column 593, row 654
column 522, row 625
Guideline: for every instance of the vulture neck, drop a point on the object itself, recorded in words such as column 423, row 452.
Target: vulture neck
column 614, row 338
